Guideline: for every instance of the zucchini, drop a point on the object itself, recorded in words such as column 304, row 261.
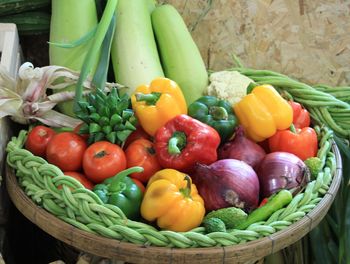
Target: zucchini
column 180, row 57
column 70, row 21
column 8, row 7
column 134, row 51
column 29, row 23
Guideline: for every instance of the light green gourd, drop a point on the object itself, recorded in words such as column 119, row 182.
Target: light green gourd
column 180, row 56
column 134, row 51
column 70, row 21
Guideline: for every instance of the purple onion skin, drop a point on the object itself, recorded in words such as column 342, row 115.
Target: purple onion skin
column 227, row 183
column 242, row 148
column 282, row 170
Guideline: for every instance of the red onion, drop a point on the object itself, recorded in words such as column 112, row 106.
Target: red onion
column 242, row 148
column 226, row 183
column 282, row 170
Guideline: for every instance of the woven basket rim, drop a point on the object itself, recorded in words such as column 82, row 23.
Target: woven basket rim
column 126, row 251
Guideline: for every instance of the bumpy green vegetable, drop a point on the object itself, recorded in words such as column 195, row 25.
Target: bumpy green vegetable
column 231, row 216
column 214, row 225
column 107, row 117
column 315, row 165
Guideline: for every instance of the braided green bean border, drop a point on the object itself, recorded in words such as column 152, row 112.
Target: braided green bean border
column 83, row 209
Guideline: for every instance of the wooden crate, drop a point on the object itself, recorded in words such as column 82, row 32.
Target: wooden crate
column 10, row 59
column 9, row 48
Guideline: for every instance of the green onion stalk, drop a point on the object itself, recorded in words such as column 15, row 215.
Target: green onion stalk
column 94, row 50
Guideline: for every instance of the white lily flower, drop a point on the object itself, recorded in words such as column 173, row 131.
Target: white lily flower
column 26, row 100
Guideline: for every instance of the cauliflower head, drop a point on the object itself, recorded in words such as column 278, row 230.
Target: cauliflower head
column 228, row 85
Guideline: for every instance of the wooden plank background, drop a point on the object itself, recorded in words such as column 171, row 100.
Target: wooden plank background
column 306, row 39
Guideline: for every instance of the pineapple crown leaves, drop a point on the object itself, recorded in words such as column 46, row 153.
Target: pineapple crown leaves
column 106, row 116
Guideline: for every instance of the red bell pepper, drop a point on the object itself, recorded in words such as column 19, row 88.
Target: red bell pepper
column 300, row 142
column 301, row 117
column 183, row 141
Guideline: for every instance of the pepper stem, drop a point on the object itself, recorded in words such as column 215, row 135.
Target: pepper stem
column 218, row 113
column 186, row 192
column 149, row 99
column 292, row 128
column 177, row 142
column 117, row 184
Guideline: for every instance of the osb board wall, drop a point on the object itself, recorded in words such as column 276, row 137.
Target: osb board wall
column 306, row 39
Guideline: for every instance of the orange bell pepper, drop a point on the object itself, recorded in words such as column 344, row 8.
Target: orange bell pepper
column 157, row 103
column 173, row 201
column 300, row 142
column 263, row 112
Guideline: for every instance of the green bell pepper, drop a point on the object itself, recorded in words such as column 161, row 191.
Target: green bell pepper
column 215, row 113
column 120, row 190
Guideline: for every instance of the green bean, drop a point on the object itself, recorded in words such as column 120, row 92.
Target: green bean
column 338, row 110
column 344, row 125
column 318, row 99
column 306, row 94
column 252, row 72
column 340, row 115
column 316, row 114
column 331, row 122
column 332, row 89
column 315, row 103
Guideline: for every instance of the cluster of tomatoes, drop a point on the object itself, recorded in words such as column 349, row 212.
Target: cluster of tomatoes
column 92, row 164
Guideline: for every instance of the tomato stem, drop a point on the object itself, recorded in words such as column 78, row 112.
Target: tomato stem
column 151, row 151
column 101, row 154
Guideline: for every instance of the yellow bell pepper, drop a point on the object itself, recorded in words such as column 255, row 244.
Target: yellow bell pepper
column 157, row 103
column 172, row 200
column 263, row 112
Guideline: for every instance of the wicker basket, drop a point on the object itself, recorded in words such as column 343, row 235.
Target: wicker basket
column 135, row 242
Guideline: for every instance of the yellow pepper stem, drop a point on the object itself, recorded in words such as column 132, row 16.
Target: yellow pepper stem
column 149, row 99
column 186, row 192
column 177, row 142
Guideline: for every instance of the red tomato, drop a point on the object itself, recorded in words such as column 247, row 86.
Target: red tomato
column 141, row 153
column 138, row 133
column 103, row 160
column 81, row 178
column 37, row 140
column 139, row 184
column 65, row 150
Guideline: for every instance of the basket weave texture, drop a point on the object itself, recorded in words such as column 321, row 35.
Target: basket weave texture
column 83, row 209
